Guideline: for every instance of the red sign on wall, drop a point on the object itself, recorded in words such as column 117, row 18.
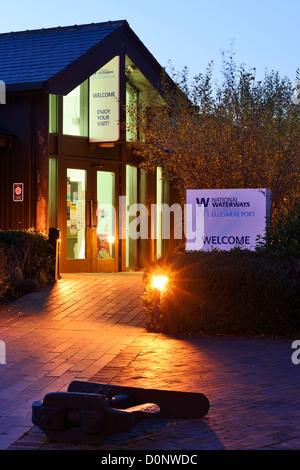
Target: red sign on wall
column 18, row 192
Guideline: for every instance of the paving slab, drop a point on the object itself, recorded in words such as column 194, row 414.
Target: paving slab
column 59, row 333
column 252, row 383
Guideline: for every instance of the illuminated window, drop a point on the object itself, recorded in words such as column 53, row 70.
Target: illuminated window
column 53, row 114
column 139, row 93
column 131, row 114
column 52, row 192
column 75, row 111
column 131, row 195
column 106, row 230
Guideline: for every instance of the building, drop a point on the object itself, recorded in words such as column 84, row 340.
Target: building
column 65, row 154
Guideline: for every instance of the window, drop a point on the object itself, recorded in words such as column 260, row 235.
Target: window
column 92, row 109
column 53, row 114
column 131, row 200
column 75, row 111
column 131, row 112
column 52, row 192
column 106, row 230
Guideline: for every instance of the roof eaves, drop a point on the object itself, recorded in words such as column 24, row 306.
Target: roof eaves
column 27, row 86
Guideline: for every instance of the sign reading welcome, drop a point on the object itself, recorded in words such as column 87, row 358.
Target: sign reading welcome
column 232, row 217
column 104, row 103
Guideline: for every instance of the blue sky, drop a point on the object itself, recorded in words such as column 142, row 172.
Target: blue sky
column 264, row 33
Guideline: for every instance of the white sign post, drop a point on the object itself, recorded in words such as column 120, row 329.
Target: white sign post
column 232, row 217
column 104, row 114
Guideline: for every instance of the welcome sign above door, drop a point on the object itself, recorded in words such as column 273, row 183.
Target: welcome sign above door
column 232, row 217
column 104, row 115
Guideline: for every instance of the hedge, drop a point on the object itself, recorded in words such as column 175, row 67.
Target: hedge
column 27, row 262
column 282, row 238
column 235, row 292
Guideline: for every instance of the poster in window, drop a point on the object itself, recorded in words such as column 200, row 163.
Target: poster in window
column 103, row 249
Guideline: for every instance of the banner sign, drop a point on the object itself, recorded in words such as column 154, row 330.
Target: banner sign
column 232, row 217
column 104, row 115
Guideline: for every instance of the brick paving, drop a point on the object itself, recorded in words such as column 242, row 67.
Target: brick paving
column 91, row 327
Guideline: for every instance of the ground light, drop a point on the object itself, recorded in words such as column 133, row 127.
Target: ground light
column 57, row 257
column 159, row 283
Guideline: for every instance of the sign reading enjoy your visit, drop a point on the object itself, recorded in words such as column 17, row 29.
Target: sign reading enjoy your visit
column 232, row 217
column 104, row 103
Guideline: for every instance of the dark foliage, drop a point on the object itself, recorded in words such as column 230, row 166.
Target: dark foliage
column 232, row 293
column 27, row 262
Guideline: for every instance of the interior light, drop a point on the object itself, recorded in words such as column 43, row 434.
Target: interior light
column 111, row 239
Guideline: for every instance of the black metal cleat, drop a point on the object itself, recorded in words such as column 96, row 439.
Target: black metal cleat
column 88, row 412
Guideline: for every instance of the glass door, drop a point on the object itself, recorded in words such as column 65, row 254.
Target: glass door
column 88, row 218
column 76, row 213
column 105, row 229
column 74, row 193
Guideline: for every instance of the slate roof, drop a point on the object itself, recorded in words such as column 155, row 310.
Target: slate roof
column 31, row 57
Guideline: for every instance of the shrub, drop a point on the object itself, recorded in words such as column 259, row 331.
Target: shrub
column 282, row 238
column 237, row 292
column 3, row 274
column 28, row 261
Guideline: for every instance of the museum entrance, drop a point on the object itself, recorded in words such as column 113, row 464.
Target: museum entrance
column 88, row 208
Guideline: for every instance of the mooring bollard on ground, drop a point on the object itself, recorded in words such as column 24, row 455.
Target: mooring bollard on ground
column 89, row 412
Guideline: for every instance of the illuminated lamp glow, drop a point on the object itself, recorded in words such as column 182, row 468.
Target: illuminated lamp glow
column 111, row 239
column 159, row 282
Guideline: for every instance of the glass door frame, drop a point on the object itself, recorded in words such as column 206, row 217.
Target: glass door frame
column 67, row 264
column 90, row 263
column 105, row 264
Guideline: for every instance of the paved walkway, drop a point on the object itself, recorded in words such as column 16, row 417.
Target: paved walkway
column 91, row 327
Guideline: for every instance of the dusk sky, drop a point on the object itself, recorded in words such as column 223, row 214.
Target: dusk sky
column 264, row 33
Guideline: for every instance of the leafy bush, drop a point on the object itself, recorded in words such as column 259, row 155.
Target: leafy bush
column 282, row 238
column 237, row 292
column 3, row 274
column 27, row 261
